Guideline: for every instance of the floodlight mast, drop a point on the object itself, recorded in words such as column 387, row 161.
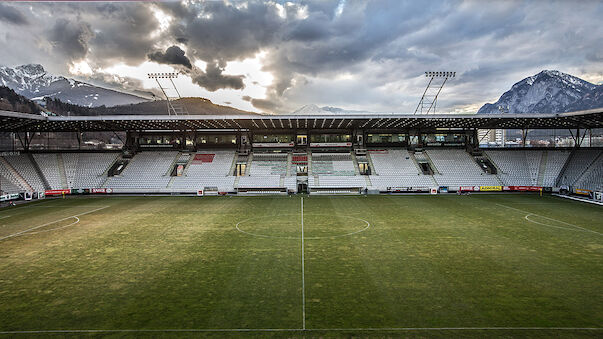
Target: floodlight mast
column 171, row 107
column 430, row 95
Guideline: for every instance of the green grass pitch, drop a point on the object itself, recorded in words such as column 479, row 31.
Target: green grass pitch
column 447, row 266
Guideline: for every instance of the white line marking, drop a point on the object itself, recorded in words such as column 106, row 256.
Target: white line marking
column 314, row 329
column 542, row 216
column 578, row 199
column 527, row 217
column 77, row 220
column 303, row 267
column 237, row 226
column 52, row 222
column 6, row 216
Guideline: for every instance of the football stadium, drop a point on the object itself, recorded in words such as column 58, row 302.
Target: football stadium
column 340, row 225
column 301, row 169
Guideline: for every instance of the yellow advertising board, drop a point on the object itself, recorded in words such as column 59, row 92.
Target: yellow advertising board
column 490, row 188
column 582, row 191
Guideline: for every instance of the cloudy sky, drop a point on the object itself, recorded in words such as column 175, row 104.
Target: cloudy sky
column 276, row 56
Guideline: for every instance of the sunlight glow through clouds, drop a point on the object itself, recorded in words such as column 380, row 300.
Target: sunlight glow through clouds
column 256, row 81
column 163, row 19
column 80, row 68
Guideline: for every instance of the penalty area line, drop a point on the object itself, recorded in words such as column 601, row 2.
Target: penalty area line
column 52, row 222
column 576, row 227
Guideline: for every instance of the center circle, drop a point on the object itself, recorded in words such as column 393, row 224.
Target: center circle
column 316, row 226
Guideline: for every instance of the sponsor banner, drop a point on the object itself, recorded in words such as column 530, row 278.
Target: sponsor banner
column 200, row 193
column 433, row 190
column 41, row 195
column 582, row 191
column 398, row 189
column 330, row 144
column 57, row 192
column 469, row 188
column 443, row 189
column 525, row 188
column 408, row 189
column 6, row 154
column 157, row 146
column 80, row 191
column 10, row 196
column 273, row 144
column 490, row 188
column 101, row 190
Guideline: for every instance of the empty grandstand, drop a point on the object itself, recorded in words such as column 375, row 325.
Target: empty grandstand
column 357, row 159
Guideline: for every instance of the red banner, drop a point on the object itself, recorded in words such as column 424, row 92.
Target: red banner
column 203, row 157
column 57, row 192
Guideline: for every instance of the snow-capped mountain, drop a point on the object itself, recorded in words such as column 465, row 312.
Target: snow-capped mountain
column 326, row 110
column 33, row 82
column 547, row 92
column 310, row 110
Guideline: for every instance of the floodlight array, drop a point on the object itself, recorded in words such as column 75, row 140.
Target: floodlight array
column 440, row 74
column 163, row 75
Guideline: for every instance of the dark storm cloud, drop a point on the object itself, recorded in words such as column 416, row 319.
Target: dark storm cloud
column 265, row 105
column 123, row 32
column 173, row 56
column 312, row 29
column 221, row 31
column 356, row 52
column 213, row 79
column 262, row 104
column 12, row 15
column 70, row 38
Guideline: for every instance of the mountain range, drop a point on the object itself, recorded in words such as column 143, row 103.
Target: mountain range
column 547, row 92
column 33, row 82
column 315, row 110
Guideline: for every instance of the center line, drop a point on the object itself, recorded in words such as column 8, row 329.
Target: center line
column 303, row 269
